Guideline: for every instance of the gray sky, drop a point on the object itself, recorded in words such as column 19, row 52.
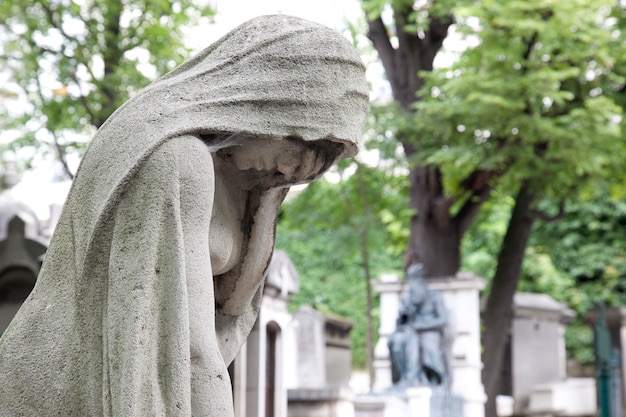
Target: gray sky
column 332, row 13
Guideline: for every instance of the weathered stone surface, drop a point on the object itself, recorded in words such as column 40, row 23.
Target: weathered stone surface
column 154, row 274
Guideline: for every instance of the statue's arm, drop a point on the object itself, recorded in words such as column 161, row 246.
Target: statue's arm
column 435, row 321
column 236, row 289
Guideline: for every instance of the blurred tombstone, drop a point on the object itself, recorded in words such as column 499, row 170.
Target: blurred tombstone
column 21, row 249
column 538, row 326
column 11, row 206
column 323, row 365
column 309, row 326
column 20, row 259
column 536, row 360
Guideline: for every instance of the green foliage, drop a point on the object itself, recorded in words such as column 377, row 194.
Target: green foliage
column 587, row 250
column 532, row 99
column 323, row 230
column 588, row 246
column 73, row 63
column 538, row 99
column 386, row 123
column 578, row 260
column 421, row 11
column 482, row 242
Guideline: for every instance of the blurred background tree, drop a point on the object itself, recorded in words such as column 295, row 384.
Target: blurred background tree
column 530, row 112
column 73, row 63
column 532, row 104
column 407, row 36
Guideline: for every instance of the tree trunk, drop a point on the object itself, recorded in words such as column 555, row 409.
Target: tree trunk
column 365, row 258
column 435, row 232
column 413, row 53
column 369, row 339
column 435, row 237
column 436, row 229
column 112, row 56
column 498, row 313
column 362, row 229
column 438, row 246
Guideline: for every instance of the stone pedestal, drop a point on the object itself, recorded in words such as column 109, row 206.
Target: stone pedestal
column 413, row 402
column 389, row 288
column 369, row 407
column 538, row 326
column 321, row 402
column 461, row 339
column 571, row 397
column 419, row 401
column 383, row 406
column 322, row 366
column 462, row 299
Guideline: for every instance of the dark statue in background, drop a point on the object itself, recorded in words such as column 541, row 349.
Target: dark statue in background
column 415, row 347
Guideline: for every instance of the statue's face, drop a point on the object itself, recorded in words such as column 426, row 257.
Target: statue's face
column 270, row 155
column 284, row 162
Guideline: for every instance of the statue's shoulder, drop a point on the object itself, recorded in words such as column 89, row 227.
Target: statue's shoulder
column 434, row 298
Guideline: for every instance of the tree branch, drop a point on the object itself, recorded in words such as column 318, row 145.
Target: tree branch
column 377, row 33
column 61, row 155
column 132, row 31
column 430, row 179
column 83, row 99
column 542, row 215
column 468, row 212
column 431, row 201
column 438, row 29
column 363, row 231
column 59, row 149
column 50, row 14
column 479, row 185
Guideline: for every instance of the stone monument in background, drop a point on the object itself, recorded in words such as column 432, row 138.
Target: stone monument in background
column 323, row 363
column 22, row 246
column 461, row 341
column 154, row 275
column 534, row 378
column 535, row 372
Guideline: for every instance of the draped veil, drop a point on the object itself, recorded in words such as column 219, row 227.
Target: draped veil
column 122, row 320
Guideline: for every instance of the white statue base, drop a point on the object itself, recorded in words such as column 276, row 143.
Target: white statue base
column 414, row 403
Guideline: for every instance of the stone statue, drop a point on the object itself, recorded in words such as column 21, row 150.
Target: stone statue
column 154, row 275
column 415, row 347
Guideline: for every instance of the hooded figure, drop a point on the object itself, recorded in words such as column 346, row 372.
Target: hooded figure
column 154, row 275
